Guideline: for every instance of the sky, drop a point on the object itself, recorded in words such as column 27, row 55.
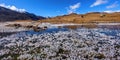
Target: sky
column 60, row 7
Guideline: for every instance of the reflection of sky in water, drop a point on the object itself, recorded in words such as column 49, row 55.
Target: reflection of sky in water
column 111, row 32
column 50, row 30
column 106, row 31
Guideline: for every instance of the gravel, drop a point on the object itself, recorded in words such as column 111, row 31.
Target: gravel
column 80, row 44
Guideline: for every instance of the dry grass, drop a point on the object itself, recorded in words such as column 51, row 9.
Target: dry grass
column 85, row 18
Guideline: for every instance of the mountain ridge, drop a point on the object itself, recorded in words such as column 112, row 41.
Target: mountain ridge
column 10, row 15
column 91, row 17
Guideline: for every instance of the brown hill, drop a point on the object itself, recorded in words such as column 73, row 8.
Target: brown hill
column 93, row 17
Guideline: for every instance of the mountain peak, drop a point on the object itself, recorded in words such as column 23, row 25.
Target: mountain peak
column 10, row 15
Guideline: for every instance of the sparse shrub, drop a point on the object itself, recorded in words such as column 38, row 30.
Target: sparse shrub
column 102, row 15
column 99, row 56
column 82, row 16
column 29, row 26
column 36, row 29
column 62, row 51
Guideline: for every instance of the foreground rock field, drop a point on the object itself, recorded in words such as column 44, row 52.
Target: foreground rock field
column 80, row 44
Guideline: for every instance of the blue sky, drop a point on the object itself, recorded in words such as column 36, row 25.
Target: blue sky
column 61, row 7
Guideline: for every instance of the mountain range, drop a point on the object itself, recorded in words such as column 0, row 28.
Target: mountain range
column 10, row 15
column 91, row 17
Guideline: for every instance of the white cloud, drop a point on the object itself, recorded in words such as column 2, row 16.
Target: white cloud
column 12, row 8
column 99, row 2
column 73, row 8
column 115, row 4
column 112, row 11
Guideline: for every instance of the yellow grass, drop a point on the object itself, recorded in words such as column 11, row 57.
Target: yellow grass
column 87, row 18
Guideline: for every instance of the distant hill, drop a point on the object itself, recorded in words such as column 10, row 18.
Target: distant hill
column 91, row 17
column 10, row 15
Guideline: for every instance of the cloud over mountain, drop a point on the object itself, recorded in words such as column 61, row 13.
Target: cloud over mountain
column 11, row 15
column 12, row 8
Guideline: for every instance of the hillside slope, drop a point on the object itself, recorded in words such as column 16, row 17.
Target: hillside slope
column 10, row 15
column 93, row 17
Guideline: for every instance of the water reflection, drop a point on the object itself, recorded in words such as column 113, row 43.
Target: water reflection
column 111, row 30
column 5, row 34
column 81, row 26
column 49, row 30
column 115, row 27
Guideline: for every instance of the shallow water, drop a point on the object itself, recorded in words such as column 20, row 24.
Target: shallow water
column 49, row 30
column 110, row 30
column 5, row 34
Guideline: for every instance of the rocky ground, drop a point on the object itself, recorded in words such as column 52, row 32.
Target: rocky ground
column 80, row 44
